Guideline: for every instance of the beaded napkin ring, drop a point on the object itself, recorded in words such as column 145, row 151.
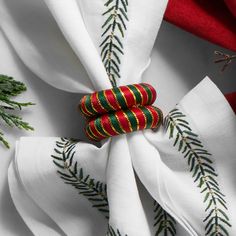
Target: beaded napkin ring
column 120, row 110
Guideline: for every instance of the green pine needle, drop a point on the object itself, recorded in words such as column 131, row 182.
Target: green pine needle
column 10, row 88
column 74, row 175
column 201, row 166
column 165, row 224
column 114, row 232
column 114, row 29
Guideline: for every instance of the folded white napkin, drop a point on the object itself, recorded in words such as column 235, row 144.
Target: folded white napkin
column 64, row 187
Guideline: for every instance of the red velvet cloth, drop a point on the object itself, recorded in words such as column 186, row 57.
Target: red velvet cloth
column 232, row 6
column 211, row 20
column 231, row 97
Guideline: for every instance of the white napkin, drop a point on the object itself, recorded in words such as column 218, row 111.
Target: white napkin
column 51, row 207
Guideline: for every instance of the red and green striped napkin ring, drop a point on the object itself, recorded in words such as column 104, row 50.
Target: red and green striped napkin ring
column 124, row 121
column 120, row 110
column 117, row 98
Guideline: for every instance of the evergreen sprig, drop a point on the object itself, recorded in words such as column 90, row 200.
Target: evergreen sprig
column 203, row 172
column 114, row 29
column 72, row 174
column 165, row 223
column 8, row 89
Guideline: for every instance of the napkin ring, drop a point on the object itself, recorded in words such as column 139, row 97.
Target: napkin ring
column 120, row 110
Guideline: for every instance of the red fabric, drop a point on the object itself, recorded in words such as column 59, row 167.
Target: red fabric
column 232, row 6
column 211, row 20
column 231, row 97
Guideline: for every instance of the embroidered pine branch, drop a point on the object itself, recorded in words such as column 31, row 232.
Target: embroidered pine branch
column 165, row 223
column 225, row 58
column 112, row 232
column 8, row 89
column 114, row 28
column 201, row 166
column 69, row 170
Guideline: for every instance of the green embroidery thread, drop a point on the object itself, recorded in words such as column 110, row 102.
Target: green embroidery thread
column 112, row 232
column 165, row 223
column 114, row 28
column 72, row 174
column 200, row 163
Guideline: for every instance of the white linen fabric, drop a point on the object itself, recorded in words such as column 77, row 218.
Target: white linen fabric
column 48, row 205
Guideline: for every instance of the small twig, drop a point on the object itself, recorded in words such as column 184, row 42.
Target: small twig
column 226, row 58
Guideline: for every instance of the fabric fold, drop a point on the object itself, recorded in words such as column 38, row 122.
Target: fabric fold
column 123, row 195
column 87, row 190
column 79, row 39
column 159, row 165
column 210, row 115
column 47, row 190
column 38, row 41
